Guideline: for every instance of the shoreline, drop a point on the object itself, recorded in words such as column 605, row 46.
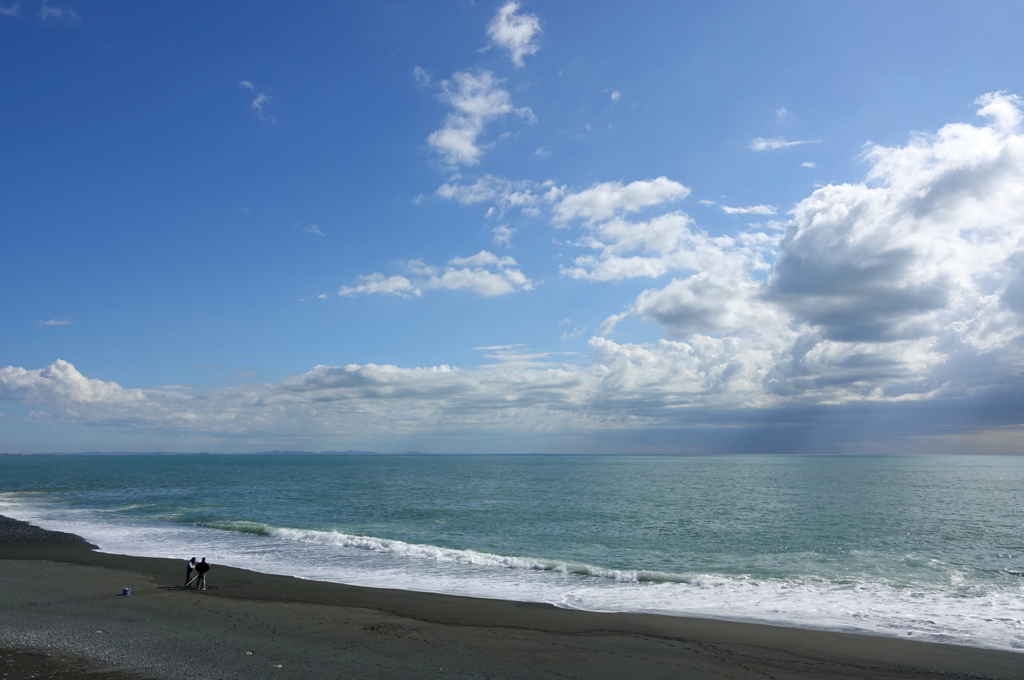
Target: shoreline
column 252, row 625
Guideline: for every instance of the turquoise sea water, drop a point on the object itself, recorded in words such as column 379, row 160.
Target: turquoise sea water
column 930, row 547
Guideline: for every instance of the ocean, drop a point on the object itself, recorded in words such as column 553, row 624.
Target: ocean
column 920, row 547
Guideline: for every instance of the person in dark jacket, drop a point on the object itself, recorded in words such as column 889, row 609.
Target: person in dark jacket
column 189, row 567
column 201, row 569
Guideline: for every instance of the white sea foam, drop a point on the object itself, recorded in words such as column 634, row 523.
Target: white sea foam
column 471, row 557
column 986, row 617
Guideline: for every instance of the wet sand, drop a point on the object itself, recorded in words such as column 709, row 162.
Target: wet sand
column 62, row 598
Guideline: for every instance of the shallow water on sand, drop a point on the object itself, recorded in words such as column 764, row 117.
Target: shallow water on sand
column 927, row 547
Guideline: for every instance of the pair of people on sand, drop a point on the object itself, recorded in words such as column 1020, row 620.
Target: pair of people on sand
column 200, row 569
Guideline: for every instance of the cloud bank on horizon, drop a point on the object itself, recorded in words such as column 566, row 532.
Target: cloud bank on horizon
column 902, row 292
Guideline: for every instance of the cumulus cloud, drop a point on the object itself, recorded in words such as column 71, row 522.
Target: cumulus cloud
column 907, row 285
column 61, row 385
column 514, row 32
column 476, row 99
column 762, row 144
column 808, row 164
column 616, row 95
column 484, row 273
column 610, row 198
column 924, row 244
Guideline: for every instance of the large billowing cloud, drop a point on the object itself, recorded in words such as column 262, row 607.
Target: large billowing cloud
column 905, row 289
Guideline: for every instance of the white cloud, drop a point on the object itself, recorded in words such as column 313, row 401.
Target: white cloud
column 926, row 243
column 313, row 229
column 750, row 210
column 667, row 243
column 514, row 32
column 905, row 286
column 377, row 283
column 476, row 100
column 605, row 200
column 247, row 85
column 484, row 273
column 781, row 113
column 616, row 95
column 808, row 164
column 323, row 296
column 762, row 144
column 61, row 385
column 55, row 322
column 11, row 10
column 503, row 235
column 421, row 76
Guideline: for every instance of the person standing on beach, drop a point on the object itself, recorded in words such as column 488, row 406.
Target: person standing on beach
column 189, row 567
column 202, row 568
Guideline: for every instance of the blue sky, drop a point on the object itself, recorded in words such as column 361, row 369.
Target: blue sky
column 651, row 227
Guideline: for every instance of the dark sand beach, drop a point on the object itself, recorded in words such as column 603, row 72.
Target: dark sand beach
column 62, row 615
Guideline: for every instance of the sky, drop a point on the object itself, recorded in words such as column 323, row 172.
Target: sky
column 600, row 227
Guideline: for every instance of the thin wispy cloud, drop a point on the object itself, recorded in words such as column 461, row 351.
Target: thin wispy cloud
column 516, row 33
column 764, row 144
column 259, row 102
column 616, row 95
column 808, row 164
column 55, row 322
column 11, row 10
column 61, row 14
column 503, row 235
column 313, row 229
column 750, row 210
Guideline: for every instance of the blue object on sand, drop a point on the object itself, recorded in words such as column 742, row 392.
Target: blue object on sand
column 126, row 591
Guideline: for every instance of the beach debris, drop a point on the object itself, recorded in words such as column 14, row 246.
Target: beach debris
column 249, row 653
